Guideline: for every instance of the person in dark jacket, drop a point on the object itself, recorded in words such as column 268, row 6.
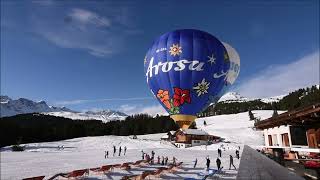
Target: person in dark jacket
column 219, row 152
column 119, row 150
column 166, row 161
column 125, row 150
column 231, row 163
column 114, row 150
column 208, row 162
column 218, row 161
column 106, row 154
column 142, row 154
column 237, row 154
column 162, row 163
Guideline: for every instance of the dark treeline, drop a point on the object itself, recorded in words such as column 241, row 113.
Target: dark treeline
column 297, row 99
column 28, row 128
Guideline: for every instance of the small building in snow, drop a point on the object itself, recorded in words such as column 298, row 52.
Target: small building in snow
column 193, row 137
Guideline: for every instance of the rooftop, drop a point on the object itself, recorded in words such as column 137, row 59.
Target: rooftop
column 194, row 132
column 309, row 115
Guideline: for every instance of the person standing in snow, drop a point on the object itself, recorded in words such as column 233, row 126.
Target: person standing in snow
column 237, row 154
column 166, row 160
column 208, row 162
column 231, row 163
column 152, row 154
column 195, row 163
column 142, row 154
column 174, row 160
column 125, row 150
column 119, row 150
column 158, row 159
column 106, row 154
column 162, row 163
column 114, row 150
column 218, row 161
column 219, row 152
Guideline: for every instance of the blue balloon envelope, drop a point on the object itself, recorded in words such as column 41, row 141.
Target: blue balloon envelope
column 186, row 70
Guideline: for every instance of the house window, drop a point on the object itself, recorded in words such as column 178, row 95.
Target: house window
column 298, row 136
column 285, row 139
column 270, row 140
column 275, row 140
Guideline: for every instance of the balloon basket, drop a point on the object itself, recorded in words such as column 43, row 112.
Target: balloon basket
column 184, row 121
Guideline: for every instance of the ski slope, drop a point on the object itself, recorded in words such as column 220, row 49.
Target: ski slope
column 88, row 152
column 236, row 128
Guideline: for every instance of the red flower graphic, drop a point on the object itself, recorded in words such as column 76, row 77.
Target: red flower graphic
column 181, row 96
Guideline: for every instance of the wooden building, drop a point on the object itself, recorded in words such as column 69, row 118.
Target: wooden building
column 297, row 130
column 193, row 137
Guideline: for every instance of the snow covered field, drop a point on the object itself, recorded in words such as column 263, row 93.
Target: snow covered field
column 88, row 152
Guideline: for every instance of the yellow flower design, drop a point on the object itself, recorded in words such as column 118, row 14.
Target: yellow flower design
column 175, row 50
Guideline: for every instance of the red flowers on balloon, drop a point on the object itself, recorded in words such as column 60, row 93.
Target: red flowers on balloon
column 181, row 96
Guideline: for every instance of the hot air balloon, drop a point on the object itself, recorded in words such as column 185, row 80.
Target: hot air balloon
column 186, row 70
column 232, row 74
column 234, row 69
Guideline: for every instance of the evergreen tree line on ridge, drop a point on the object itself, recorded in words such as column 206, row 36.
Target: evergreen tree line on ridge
column 30, row 128
column 297, row 99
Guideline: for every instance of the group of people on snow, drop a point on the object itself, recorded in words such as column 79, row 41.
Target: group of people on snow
column 106, row 153
column 164, row 160
column 160, row 160
column 218, row 161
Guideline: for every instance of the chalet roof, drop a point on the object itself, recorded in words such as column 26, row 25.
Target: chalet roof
column 309, row 115
column 194, row 132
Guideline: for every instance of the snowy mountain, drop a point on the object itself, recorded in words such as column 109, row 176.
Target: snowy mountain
column 11, row 107
column 233, row 97
column 236, row 97
column 104, row 115
column 272, row 99
column 59, row 109
column 4, row 99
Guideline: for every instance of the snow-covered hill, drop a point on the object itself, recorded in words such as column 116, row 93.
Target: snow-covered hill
column 236, row 97
column 88, row 152
column 236, row 128
column 11, row 107
column 104, row 115
column 272, row 99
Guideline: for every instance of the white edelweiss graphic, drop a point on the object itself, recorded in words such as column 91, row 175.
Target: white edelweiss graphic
column 212, row 59
column 202, row 87
column 175, row 50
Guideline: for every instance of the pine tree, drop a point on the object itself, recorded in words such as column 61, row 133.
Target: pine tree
column 275, row 111
column 251, row 116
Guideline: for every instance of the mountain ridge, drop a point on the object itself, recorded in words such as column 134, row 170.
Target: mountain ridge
column 10, row 107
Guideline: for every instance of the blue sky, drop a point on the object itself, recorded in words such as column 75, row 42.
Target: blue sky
column 89, row 54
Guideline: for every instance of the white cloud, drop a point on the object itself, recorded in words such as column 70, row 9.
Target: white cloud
column 137, row 109
column 86, row 17
column 281, row 79
column 77, row 28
